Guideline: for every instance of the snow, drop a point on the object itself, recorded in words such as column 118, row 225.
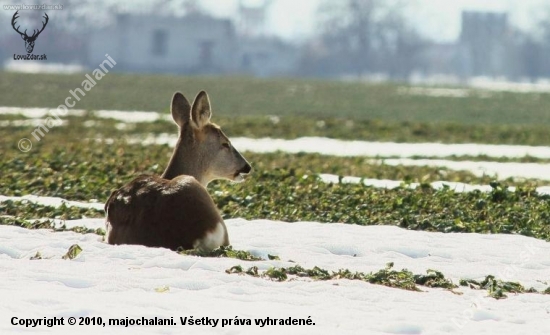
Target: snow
column 333, row 147
column 436, row 92
column 122, row 281
column 126, row 116
column 481, row 84
column 486, row 83
column 31, row 123
column 39, row 67
column 53, row 201
column 343, row 148
column 132, row 116
column 390, row 184
column 500, row 170
column 39, row 113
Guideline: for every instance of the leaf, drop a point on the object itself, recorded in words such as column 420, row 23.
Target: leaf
column 162, row 289
column 253, row 271
column 73, row 252
column 223, row 251
column 278, row 274
column 36, row 256
column 235, row 269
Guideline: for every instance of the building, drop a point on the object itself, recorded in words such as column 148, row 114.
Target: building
column 194, row 43
column 483, row 42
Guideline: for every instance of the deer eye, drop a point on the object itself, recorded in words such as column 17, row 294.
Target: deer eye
column 226, row 145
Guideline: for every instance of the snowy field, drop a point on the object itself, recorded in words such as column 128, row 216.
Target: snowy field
column 134, row 281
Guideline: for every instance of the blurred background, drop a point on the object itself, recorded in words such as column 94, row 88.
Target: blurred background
column 417, row 41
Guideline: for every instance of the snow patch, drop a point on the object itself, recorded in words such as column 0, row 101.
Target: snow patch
column 31, row 123
column 38, row 113
column 53, row 201
column 500, row 170
column 40, row 67
column 438, row 185
column 434, row 92
column 342, row 148
column 132, row 116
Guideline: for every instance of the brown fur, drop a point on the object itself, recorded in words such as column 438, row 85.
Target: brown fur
column 151, row 211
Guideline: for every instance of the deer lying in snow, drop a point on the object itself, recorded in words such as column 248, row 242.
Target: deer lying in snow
column 175, row 210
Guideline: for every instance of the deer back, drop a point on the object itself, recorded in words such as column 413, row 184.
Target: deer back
column 157, row 212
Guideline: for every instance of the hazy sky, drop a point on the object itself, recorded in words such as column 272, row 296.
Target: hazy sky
column 438, row 19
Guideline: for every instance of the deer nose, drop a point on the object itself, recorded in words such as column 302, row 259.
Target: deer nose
column 246, row 169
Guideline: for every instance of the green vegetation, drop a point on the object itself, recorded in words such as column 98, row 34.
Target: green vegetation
column 66, row 164
column 305, row 107
column 44, row 224
column 497, row 288
column 281, row 195
column 73, row 252
column 237, row 96
column 223, row 251
column 403, row 279
column 34, row 216
column 282, row 187
column 291, row 127
column 27, row 210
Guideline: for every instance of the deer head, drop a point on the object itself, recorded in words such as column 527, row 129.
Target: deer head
column 203, row 150
column 29, row 40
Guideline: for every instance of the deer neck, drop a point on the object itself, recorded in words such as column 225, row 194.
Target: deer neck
column 185, row 162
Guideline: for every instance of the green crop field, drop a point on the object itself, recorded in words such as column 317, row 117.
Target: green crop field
column 241, row 96
column 247, row 107
column 74, row 162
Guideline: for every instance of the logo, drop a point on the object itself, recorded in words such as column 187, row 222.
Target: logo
column 29, row 40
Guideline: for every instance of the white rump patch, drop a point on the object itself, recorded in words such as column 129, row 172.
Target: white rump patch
column 212, row 240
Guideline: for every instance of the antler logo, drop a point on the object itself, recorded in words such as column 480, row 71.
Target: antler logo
column 29, row 40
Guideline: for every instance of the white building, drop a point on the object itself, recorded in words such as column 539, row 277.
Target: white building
column 194, row 43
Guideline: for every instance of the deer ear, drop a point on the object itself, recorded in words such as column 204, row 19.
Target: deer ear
column 181, row 109
column 201, row 112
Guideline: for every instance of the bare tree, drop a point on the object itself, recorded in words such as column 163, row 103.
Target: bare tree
column 541, row 50
column 361, row 36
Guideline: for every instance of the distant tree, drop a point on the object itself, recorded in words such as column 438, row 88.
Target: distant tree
column 543, row 52
column 533, row 62
column 361, row 36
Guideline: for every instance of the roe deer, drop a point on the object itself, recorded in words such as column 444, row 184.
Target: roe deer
column 175, row 210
